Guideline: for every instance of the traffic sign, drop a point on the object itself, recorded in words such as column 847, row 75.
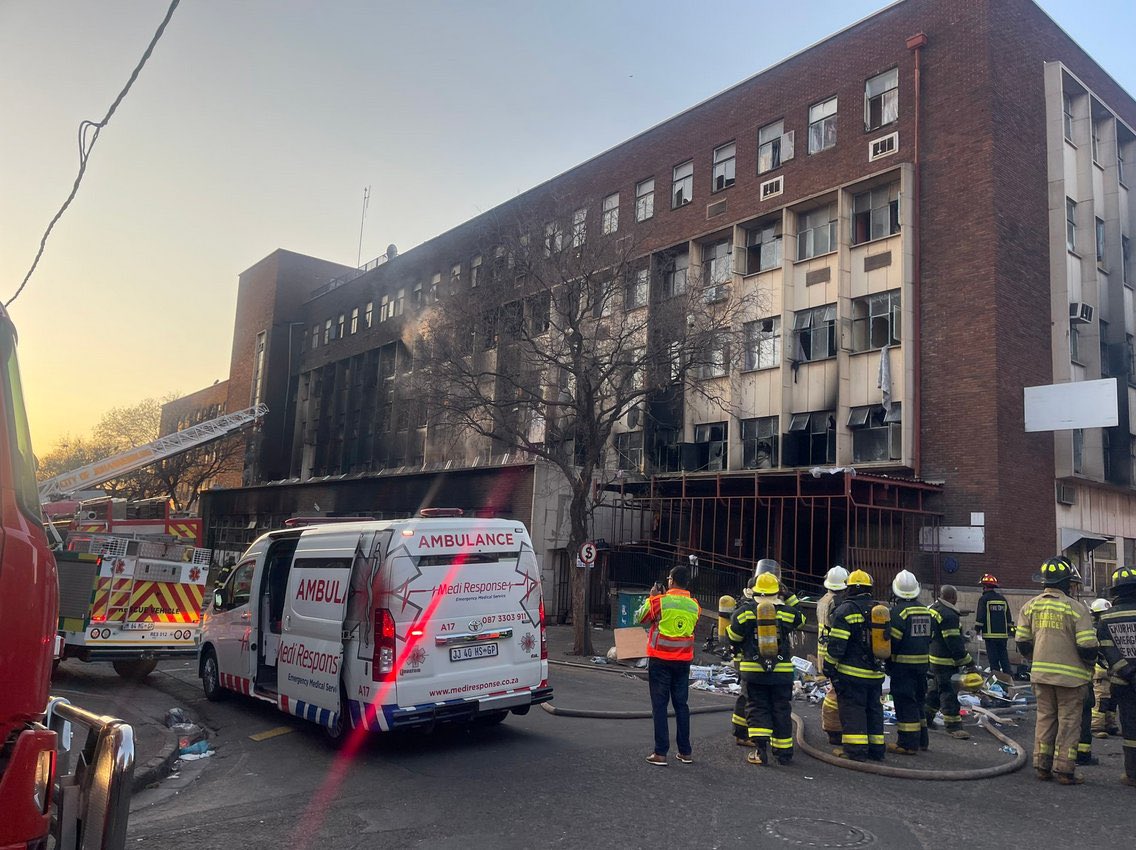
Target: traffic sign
column 588, row 553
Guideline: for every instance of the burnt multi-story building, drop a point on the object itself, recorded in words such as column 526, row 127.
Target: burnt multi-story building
column 933, row 204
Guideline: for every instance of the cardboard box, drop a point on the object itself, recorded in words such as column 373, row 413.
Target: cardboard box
column 630, row 643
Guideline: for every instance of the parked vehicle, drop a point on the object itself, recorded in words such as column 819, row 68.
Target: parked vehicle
column 46, row 790
column 383, row 625
column 130, row 601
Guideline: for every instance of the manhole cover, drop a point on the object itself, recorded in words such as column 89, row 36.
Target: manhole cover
column 811, row 832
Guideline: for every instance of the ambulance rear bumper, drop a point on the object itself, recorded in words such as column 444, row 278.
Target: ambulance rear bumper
column 129, row 654
column 464, row 711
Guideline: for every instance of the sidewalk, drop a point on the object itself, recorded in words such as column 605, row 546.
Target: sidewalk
column 155, row 746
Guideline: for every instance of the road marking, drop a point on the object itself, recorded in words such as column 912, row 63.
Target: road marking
column 271, row 733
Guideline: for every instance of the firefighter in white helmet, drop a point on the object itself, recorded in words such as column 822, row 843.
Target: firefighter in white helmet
column 911, row 639
column 1104, row 714
column 835, row 583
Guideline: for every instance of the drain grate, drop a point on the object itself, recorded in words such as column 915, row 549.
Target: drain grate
column 813, row 832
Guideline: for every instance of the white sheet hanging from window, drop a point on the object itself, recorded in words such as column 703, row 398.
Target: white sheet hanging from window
column 884, row 379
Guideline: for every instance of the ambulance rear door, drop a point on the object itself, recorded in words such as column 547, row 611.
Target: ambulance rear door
column 310, row 657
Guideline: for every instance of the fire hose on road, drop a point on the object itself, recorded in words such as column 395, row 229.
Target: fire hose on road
column 878, row 768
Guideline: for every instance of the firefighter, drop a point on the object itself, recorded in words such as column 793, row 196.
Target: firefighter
column 994, row 623
column 910, row 640
column 1116, row 632
column 947, row 655
column 759, row 632
column 769, row 565
column 1055, row 632
column 1103, row 722
column 852, row 660
column 835, row 583
column 1085, row 757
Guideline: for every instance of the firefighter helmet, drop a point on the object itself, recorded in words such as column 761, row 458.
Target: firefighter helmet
column 905, row 585
column 859, row 578
column 988, row 579
column 1057, row 570
column 1098, row 606
column 766, row 584
column 836, row 578
column 1123, row 578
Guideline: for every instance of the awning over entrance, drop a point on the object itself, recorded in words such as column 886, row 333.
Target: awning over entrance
column 1070, row 537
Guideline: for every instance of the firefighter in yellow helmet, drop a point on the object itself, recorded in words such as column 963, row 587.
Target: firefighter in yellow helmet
column 760, row 635
column 858, row 642
column 1055, row 633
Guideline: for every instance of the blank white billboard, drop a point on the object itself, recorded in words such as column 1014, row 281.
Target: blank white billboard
column 1078, row 404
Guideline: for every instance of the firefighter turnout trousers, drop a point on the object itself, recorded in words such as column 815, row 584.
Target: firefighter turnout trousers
column 1085, row 741
column 1104, row 722
column 998, row 655
column 738, row 719
column 769, row 715
column 909, row 693
column 941, row 696
column 1124, row 696
column 1058, row 729
column 861, row 717
column 830, row 715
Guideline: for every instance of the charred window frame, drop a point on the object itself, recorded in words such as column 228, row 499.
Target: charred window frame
column 761, row 443
column 877, row 433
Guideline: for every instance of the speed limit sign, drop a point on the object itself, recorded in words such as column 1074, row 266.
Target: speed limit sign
column 588, row 553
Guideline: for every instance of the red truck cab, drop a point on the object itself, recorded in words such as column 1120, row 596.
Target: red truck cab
column 29, row 601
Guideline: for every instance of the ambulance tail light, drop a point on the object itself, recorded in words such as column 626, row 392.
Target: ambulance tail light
column 543, row 634
column 382, row 662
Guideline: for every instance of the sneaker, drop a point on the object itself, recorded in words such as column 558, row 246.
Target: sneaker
column 903, row 751
column 1068, row 778
column 1043, row 774
column 687, row 758
column 961, row 734
column 655, row 758
column 755, row 758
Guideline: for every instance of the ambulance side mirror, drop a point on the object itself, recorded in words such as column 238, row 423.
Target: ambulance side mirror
column 218, row 600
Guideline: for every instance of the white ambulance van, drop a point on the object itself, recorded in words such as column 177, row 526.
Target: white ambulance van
column 383, row 624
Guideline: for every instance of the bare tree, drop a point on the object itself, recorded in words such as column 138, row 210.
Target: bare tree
column 566, row 336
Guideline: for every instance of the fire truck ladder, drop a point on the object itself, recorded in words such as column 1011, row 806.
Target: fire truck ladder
column 164, row 447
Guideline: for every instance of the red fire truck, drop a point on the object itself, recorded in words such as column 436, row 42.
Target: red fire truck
column 71, row 788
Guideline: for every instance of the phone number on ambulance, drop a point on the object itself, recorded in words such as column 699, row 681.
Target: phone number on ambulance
column 504, row 618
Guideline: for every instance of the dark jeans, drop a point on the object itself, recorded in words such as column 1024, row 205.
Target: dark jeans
column 998, row 656
column 669, row 682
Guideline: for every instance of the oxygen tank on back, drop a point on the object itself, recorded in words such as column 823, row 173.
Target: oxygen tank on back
column 726, row 606
column 766, row 631
column 879, row 640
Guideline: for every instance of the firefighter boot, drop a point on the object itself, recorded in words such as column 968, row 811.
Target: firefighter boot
column 834, row 738
column 1043, row 774
column 903, row 751
column 1068, row 778
column 958, row 732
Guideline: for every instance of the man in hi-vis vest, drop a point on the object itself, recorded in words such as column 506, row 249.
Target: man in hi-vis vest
column 672, row 617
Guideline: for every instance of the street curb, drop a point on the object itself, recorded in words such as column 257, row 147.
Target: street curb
column 159, row 766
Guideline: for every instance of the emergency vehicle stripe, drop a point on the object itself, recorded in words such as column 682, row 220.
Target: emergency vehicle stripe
column 181, row 603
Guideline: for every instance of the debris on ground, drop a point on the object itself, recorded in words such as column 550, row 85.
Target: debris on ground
column 176, row 715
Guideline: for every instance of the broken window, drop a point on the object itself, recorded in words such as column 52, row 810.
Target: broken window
column 629, row 450
column 723, row 174
column 715, row 436
column 774, row 146
column 760, row 443
column 875, row 321
column 645, row 199
column 814, row 333
column 822, row 125
column 763, row 343
column 763, row 247
column 811, row 439
column 877, row 434
column 875, row 214
column 682, row 184
column 816, row 232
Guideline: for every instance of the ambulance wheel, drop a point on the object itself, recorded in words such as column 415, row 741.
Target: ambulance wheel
column 135, row 671
column 340, row 729
column 494, row 718
column 211, row 677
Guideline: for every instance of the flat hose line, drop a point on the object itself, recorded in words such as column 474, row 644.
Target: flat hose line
column 878, row 768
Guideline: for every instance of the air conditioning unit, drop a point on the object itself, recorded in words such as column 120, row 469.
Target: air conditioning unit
column 1081, row 313
column 1066, row 494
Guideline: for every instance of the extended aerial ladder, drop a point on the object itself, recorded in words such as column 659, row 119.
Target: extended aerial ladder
column 162, row 448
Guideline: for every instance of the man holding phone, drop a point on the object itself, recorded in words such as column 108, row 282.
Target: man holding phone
column 671, row 616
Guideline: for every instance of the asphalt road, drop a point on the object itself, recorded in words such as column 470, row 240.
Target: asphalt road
column 541, row 780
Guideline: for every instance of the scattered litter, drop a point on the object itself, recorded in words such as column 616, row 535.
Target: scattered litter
column 195, row 748
column 1010, row 750
column 641, row 663
column 195, row 756
column 970, row 700
column 176, row 715
column 599, row 659
column 803, row 665
column 808, row 777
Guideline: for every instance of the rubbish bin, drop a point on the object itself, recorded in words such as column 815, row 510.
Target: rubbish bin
column 628, row 603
